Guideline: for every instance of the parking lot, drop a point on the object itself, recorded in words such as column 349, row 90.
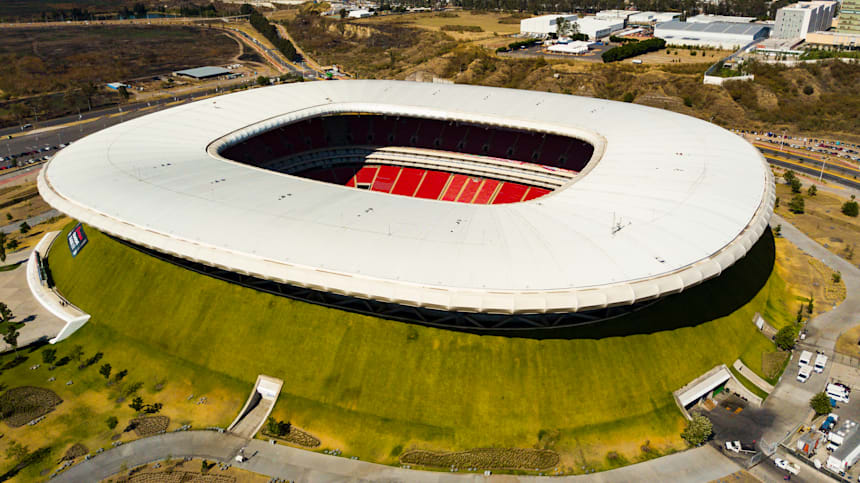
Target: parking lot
column 594, row 54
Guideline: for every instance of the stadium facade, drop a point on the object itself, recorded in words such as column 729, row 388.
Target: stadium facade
column 449, row 205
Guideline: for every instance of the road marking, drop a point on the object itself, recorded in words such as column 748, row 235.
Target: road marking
column 783, row 160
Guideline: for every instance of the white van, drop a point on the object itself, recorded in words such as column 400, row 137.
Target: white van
column 837, row 393
column 804, row 373
column 820, row 362
column 805, row 358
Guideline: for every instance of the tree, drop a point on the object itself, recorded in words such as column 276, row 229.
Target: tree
column 136, row 403
column 776, row 202
column 152, row 408
column 698, row 430
column 6, row 312
column 9, row 216
column 850, row 208
column 809, row 307
column 796, row 205
column 89, row 89
column 837, row 277
column 105, row 371
column 777, row 230
column 119, row 375
column 25, row 227
column 808, row 90
column 245, row 9
column 2, row 246
column 262, row 81
column 812, row 191
column 343, row 13
column 820, row 403
column 123, row 92
column 112, row 422
column 11, row 338
column 12, row 244
column 796, row 185
column 139, row 10
column 788, row 176
column 16, row 450
column 49, row 355
column 785, row 337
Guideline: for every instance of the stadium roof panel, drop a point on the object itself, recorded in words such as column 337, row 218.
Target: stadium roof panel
column 666, row 202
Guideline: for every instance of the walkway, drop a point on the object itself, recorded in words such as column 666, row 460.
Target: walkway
column 826, row 328
column 279, row 461
column 39, row 323
column 32, row 221
column 752, row 376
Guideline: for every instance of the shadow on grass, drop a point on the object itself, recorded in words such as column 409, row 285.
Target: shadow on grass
column 711, row 300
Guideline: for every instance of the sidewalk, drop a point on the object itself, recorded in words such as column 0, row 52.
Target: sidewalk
column 752, row 376
column 39, row 323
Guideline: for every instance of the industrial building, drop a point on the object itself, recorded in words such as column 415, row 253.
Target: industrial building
column 716, row 35
column 615, row 14
column 652, row 18
column 709, row 18
column 576, row 47
column 833, row 39
column 203, row 72
column 849, row 17
column 847, row 436
column 798, row 19
column 593, row 27
column 544, row 24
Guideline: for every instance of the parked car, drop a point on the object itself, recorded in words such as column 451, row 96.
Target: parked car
column 785, row 465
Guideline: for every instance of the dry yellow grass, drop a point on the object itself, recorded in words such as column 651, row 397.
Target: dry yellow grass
column 682, row 56
column 488, row 22
column 822, row 219
column 806, row 277
column 849, row 342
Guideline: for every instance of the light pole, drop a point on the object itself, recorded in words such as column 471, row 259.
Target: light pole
column 782, row 144
column 823, row 164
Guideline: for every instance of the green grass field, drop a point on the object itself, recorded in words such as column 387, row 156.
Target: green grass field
column 373, row 387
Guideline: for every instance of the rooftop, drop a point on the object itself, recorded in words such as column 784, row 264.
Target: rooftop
column 201, row 72
column 713, row 27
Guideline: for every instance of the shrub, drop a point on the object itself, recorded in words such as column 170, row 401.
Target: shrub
column 777, row 230
column 837, row 277
column 632, row 49
column 49, row 355
column 698, row 430
column 786, row 337
column 111, row 422
column 820, row 403
column 25, row 227
column 461, row 28
column 812, row 191
column 808, row 90
column 796, row 205
column 12, row 244
column 788, row 176
column 850, row 208
column 796, row 185
column 628, row 97
column 261, row 23
column 688, row 101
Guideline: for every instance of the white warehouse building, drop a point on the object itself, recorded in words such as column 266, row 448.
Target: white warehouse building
column 594, row 28
column 717, row 35
column 710, row 18
column 650, row 18
column 796, row 20
column 545, row 24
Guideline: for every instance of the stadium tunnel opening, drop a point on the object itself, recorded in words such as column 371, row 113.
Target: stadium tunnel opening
column 445, row 160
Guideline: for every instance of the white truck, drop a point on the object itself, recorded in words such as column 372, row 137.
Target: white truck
column 785, row 465
column 837, row 392
column 820, row 363
column 805, row 358
column 804, row 373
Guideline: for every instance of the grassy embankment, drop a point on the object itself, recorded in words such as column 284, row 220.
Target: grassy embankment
column 374, row 388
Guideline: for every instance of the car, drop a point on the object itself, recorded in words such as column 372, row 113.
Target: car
column 785, row 465
column 734, row 446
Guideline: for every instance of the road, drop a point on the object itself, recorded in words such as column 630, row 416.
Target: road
column 279, row 461
column 838, row 173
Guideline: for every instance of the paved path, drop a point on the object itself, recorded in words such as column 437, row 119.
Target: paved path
column 825, row 329
column 14, row 291
column 752, row 376
column 32, row 221
column 278, row 461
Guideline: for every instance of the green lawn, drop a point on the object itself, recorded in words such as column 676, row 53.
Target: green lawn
column 363, row 385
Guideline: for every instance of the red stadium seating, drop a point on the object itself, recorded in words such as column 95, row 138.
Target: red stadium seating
column 385, row 178
column 470, row 189
column 486, row 192
column 510, row 193
column 366, row 175
column 535, row 192
column 407, row 183
column 432, row 184
column 454, row 187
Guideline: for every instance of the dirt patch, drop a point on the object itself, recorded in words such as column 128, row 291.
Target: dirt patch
column 177, row 477
column 297, row 437
column 75, row 451
column 150, row 425
column 23, row 404
column 484, row 458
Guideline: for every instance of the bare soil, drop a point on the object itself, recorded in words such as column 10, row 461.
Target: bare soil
column 20, row 405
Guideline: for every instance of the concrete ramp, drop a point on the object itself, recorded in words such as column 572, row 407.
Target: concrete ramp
column 257, row 408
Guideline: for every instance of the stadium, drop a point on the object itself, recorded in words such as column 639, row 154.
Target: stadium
column 455, row 206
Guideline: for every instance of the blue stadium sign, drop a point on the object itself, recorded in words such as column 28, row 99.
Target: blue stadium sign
column 77, row 239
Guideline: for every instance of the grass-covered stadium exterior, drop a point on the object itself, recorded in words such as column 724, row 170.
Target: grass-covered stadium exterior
column 663, row 203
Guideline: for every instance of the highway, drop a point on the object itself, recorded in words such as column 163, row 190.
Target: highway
column 838, row 173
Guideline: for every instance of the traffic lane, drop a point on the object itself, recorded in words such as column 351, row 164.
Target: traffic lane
column 832, row 162
column 815, row 172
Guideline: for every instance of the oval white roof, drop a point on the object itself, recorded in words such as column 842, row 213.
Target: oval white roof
column 666, row 202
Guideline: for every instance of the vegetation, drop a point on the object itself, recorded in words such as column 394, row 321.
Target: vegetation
column 480, row 404
column 461, row 28
column 633, row 49
column 850, row 208
column 485, row 458
column 698, row 430
column 20, row 405
column 261, row 23
column 815, row 54
column 820, row 403
column 786, row 337
column 516, row 45
column 797, row 204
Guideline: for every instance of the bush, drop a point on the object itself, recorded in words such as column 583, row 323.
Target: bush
column 850, row 208
column 688, row 101
column 788, row 176
column 698, row 430
column 812, row 191
column 633, row 49
column 12, row 244
column 25, row 227
column 112, row 422
column 628, row 97
column 261, row 23
column 796, row 185
column 820, row 403
column 49, row 355
column 461, row 28
column 808, row 90
column 786, row 337
column 796, row 205
column 837, row 277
